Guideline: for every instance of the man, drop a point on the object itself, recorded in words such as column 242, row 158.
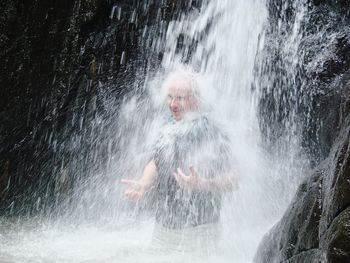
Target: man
column 190, row 168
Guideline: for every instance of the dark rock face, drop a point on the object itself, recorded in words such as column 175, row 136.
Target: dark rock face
column 335, row 244
column 60, row 61
column 336, row 195
column 303, row 82
column 287, row 239
column 316, row 227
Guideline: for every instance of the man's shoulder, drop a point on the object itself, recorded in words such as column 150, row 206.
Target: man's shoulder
column 210, row 125
column 209, row 129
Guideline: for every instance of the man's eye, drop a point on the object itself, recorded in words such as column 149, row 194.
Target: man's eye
column 180, row 98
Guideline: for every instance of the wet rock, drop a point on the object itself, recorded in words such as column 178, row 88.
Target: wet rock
column 305, row 86
column 288, row 239
column 335, row 243
column 59, row 62
column 39, row 50
column 316, row 226
column 310, row 256
column 336, row 188
column 5, row 180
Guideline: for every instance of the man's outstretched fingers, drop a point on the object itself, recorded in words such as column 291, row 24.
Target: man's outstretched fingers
column 178, row 179
column 134, row 189
column 181, row 174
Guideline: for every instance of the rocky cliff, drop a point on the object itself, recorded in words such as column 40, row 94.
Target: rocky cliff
column 316, row 225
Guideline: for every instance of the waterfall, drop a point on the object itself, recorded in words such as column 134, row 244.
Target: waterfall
column 228, row 44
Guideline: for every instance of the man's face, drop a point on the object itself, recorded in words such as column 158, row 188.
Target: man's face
column 180, row 98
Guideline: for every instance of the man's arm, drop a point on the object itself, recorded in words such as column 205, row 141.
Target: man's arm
column 137, row 189
column 149, row 175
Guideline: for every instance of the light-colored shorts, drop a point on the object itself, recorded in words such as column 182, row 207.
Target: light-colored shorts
column 202, row 239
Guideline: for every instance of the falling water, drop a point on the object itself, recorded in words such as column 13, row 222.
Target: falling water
column 223, row 42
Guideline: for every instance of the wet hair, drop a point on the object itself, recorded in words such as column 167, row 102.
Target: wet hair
column 186, row 76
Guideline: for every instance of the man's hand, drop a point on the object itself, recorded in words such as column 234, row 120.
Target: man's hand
column 134, row 191
column 191, row 181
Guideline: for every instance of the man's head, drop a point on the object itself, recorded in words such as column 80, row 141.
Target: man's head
column 182, row 94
